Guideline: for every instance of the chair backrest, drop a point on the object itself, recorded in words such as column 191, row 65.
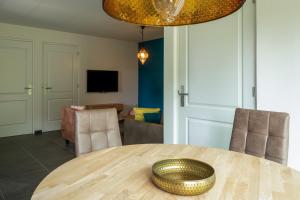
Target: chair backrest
column 262, row 134
column 95, row 130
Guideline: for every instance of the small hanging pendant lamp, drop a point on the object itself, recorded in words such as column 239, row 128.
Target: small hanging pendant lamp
column 143, row 54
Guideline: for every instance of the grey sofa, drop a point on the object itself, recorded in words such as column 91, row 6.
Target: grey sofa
column 138, row 132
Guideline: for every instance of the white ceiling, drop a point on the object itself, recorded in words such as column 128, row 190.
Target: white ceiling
column 77, row 16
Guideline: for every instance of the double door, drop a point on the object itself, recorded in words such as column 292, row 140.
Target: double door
column 22, row 95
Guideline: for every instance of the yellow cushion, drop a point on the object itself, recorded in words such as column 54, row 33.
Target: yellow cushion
column 139, row 112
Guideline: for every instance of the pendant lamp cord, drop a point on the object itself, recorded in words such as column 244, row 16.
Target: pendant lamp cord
column 142, row 27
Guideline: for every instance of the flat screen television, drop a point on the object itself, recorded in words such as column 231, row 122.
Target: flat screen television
column 102, row 81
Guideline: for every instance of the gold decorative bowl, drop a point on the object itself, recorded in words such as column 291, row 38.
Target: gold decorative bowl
column 183, row 176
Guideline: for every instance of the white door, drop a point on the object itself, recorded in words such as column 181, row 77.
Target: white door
column 215, row 75
column 15, row 87
column 60, row 82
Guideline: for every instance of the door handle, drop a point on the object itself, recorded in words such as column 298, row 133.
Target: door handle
column 29, row 89
column 46, row 89
column 182, row 94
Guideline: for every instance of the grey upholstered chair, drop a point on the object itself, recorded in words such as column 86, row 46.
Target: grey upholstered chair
column 262, row 134
column 95, row 130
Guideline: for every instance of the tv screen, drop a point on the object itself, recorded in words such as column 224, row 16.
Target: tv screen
column 102, row 81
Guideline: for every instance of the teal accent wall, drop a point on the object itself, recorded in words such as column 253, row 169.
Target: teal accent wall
column 151, row 75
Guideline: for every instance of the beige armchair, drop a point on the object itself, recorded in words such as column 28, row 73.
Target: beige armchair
column 262, row 134
column 95, row 130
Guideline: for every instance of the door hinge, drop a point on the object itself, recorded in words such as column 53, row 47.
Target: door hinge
column 254, row 92
column 254, row 1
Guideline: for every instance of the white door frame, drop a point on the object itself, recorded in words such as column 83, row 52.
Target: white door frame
column 171, row 100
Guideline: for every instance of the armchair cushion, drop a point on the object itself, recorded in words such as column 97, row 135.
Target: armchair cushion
column 152, row 117
column 139, row 112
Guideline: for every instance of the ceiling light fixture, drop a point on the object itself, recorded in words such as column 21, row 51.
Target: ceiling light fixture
column 170, row 12
column 143, row 54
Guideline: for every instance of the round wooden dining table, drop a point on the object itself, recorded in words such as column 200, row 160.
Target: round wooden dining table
column 125, row 173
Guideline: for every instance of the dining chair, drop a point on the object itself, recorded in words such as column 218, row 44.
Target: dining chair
column 261, row 133
column 96, row 130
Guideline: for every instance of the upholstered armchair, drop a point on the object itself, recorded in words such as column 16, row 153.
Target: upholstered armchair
column 68, row 124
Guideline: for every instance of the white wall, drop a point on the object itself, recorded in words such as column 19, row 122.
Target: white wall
column 95, row 53
column 278, row 64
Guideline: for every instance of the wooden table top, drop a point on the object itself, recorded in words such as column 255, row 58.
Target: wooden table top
column 125, row 173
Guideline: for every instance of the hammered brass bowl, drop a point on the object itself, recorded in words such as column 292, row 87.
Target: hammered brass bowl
column 185, row 177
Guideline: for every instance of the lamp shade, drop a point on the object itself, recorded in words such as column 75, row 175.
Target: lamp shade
column 143, row 55
column 170, row 12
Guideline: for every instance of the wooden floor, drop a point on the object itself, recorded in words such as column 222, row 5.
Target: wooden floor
column 26, row 160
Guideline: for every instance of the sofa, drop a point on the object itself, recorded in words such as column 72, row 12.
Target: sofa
column 140, row 132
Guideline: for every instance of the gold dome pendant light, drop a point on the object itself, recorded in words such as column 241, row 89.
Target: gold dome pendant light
column 143, row 54
column 170, row 12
